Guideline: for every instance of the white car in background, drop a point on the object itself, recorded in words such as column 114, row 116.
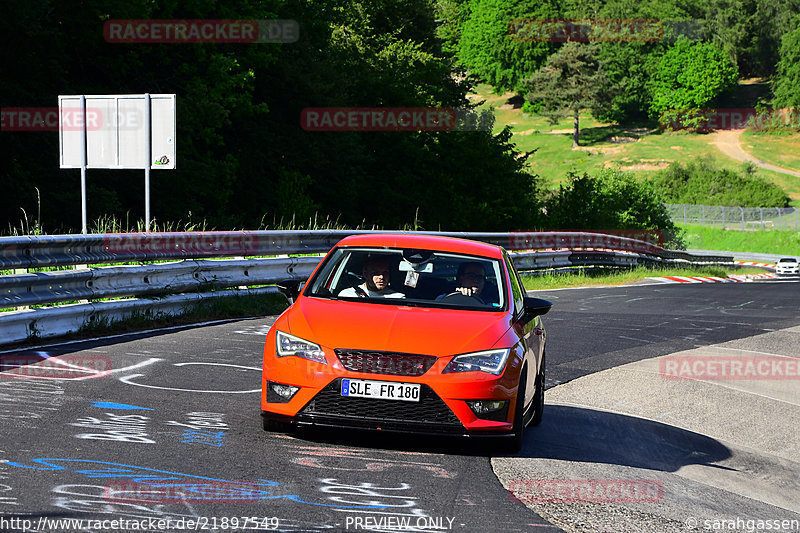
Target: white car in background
column 787, row 265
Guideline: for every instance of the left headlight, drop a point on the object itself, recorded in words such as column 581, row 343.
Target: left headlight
column 286, row 345
column 491, row 361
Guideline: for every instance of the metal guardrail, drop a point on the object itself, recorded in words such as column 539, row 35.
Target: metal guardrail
column 178, row 285
column 115, row 282
column 61, row 250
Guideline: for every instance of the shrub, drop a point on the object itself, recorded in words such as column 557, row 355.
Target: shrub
column 700, row 181
column 531, row 108
column 613, row 199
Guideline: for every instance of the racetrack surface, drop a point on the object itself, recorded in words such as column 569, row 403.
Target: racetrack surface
column 175, row 424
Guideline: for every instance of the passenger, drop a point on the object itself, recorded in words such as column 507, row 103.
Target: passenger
column 376, row 273
column 471, row 278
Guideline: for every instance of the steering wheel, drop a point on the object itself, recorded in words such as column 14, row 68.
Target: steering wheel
column 459, row 298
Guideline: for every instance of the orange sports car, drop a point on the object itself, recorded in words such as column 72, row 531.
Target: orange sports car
column 410, row 333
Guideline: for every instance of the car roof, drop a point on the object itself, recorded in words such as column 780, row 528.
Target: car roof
column 424, row 242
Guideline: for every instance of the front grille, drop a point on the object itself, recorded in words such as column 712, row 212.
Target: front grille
column 387, row 363
column 430, row 413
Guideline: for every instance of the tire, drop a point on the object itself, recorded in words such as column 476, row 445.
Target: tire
column 538, row 398
column 513, row 444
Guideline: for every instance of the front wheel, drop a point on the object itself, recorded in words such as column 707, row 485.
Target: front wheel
column 513, row 444
column 538, row 397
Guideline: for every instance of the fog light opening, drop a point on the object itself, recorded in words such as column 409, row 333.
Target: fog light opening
column 280, row 393
column 483, row 407
column 284, row 391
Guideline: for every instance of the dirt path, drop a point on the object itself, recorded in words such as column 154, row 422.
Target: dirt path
column 727, row 141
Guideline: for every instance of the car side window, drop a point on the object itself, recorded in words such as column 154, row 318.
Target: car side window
column 516, row 288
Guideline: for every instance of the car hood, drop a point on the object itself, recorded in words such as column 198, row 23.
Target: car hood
column 398, row 328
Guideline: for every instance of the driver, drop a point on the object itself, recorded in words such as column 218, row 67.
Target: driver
column 471, row 278
column 376, row 272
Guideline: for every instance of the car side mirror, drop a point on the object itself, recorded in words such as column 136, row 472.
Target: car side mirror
column 535, row 307
column 289, row 288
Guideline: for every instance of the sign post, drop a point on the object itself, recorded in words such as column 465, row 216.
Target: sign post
column 149, row 159
column 129, row 131
column 83, row 166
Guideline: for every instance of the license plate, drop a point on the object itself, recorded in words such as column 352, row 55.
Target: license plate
column 385, row 390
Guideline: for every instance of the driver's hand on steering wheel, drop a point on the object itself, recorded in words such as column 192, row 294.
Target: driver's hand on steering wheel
column 467, row 291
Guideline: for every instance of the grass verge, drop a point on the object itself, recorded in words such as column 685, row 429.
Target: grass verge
column 761, row 241
column 780, row 149
column 585, row 278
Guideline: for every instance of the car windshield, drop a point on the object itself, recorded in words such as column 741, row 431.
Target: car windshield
column 421, row 278
column 788, row 260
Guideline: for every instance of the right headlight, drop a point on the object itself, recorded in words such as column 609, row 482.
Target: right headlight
column 286, row 345
column 490, row 361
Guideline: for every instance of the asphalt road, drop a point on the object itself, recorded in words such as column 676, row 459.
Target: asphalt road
column 170, row 429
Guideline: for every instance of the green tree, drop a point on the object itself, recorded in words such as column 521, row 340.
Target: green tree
column 491, row 48
column 690, row 77
column 750, row 31
column 572, row 79
column 630, row 62
column 786, row 85
column 452, row 15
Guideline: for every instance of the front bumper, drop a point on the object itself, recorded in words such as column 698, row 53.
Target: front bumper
column 435, row 413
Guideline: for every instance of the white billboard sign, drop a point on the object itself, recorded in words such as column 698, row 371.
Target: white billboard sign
column 117, row 130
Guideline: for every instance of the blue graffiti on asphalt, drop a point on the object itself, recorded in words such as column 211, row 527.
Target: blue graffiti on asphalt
column 112, row 405
column 210, row 438
column 209, row 489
